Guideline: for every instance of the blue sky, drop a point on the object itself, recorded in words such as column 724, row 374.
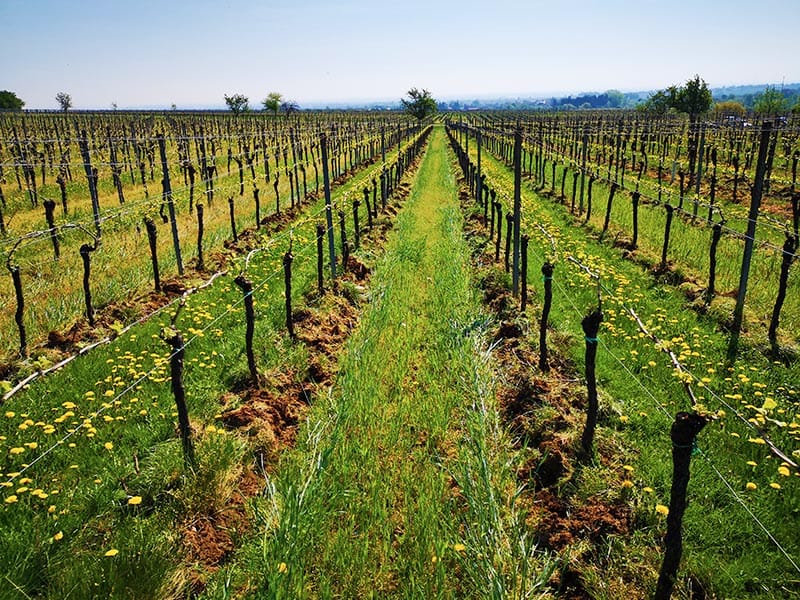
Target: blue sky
column 159, row 52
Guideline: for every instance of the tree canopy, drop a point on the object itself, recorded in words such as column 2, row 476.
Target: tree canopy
column 237, row 103
column 273, row 102
column 10, row 101
column 693, row 98
column 64, row 101
column 420, row 104
column 770, row 102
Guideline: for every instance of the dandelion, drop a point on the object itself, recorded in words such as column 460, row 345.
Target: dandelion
column 627, row 484
column 108, row 445
column 662, row 510
column 112, row 552
column 775, row 486
column 783, row 470
column 628, row 468
column 648, row 490
column 282, row 568
column 459, row 547
column 135, row 500
column 752, row 463
column 624, row 419
column 11, row 499
column 17, row 450
column 58, row 536
column 750, row 486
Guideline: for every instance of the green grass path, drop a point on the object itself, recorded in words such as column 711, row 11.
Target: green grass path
column 366, row 505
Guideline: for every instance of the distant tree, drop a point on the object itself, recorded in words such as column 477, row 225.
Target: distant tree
column 771, row 102
column 290, row 106
column 273, row 102
column 692, row 98
column 10, row 101
column 657, row 104
column 174, row 106
column 113, row 106
column 64, row 101
column 237, row 103
column 730, row 108
column 616, row 99
column 420, row 104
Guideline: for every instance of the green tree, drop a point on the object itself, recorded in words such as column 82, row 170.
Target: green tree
column 64, row 101
column 616, row 99
column 237, row 103
column 420, row 104
column 730, row 108
column 770, row 102
column 273, row 102
column 693, row 98
column 657, row 104
column 10, row 101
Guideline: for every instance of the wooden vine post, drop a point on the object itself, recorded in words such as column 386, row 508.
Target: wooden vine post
column 683, row 434
column 716, row 234
column 19, row 314
column 523, row 273
column 287, row 276
column 667, row 226
column 49, row 215
column 591, row 326
column 547, row 279
column 509, row 232
column 499, row 239
column 174, row 338
column 749, row 240
column 789, row 249
column 356, row 232
column 611, row 193
column 320, row 258
column 246, row 286
column 326, row 182
column 152, row 235
column 170, row 203
column 232, row 212
column 200, row 229
column 515, row 221
column 85, row 251
column 83, row 143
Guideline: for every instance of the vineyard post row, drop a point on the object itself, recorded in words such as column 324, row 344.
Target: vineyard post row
column 504, row 145
column 685, row 427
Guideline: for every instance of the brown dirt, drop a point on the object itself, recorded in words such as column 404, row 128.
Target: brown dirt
column 545, row 414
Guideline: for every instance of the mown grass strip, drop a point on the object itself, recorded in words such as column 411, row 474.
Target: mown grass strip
column 400, row 487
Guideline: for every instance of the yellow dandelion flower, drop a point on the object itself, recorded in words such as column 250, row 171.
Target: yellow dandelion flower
column 10, row 414
column 459, row 547
column 784, row 471
column 134, row 500
column 112, row 552
column 108, row 445
column 752, row 463
column 648, row 490
column 628, row 468
column 624, row 419
column 58, row 536
column 775, row 486
column 662, row 510
column 17, row 450
column 11, row 499
column 282, row 568
column 51, row 509
column 751, row 486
